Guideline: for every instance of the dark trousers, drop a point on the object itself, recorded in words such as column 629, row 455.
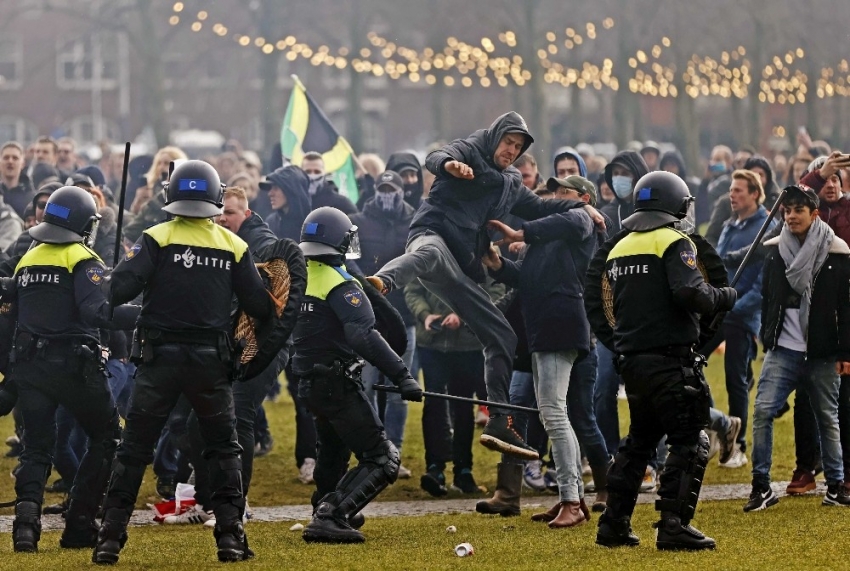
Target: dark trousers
column 806, row 429
column 201, row 374
column 247, row 396
column 70, row 445
column 456, row 373
column 666, row 396
column 305, row 425
column 345, row 423
column 43, row 384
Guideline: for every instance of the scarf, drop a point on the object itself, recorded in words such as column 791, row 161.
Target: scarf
column 803, row 261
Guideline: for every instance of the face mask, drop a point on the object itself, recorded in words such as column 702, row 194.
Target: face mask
column 412, row 189
column 389, row 201
column 622, row 186
column 717, row 168
column 316, row 181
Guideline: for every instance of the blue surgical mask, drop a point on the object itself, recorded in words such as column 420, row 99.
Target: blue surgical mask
column 717, row 167
column 622, row 186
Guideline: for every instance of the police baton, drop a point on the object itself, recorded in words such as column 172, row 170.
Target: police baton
column 718, row 319
column 119, row 239
column 462, row 399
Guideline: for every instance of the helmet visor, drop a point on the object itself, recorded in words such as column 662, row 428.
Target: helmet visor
column 688, row 224
column 353, row 251
column 91, row 236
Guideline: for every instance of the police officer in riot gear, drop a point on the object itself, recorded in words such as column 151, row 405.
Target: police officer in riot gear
column 188, row 270
column 57, row 360
column 658, row 296
column 336, row 327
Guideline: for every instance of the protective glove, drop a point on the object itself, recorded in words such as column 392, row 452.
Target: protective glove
column 410, row 389
column 728, row 297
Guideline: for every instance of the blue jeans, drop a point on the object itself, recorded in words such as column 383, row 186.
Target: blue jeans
column 551, row 383
column 605, row 399
column 582, row 415
column 395, row 413
column 783, row 371
column 521, row 393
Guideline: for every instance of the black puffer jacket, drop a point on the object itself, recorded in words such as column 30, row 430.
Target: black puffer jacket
column 621, row 208
column 458, row 209
column 829, row 314
column 383, row 236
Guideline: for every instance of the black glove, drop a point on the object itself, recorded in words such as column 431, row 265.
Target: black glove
column 410, row 389
column 728, row 297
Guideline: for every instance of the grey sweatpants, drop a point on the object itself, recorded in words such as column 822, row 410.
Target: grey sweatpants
column 428, row 258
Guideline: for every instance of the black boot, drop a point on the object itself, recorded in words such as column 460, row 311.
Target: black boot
column 329, row 527
column 357, row 520
column 616, row 532
column 26, row 529
column 111, row 537
column 81, row 529
column 673, row 535
column 231, row 542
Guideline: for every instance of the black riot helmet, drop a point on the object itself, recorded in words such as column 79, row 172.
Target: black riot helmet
column 70, row 216
column 660, row 198
column 328, row 231
column 194, row 190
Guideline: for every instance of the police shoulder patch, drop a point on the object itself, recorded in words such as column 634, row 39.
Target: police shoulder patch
column 131, row 253
column 95, row 275
column 354, row 297
column 689, row 258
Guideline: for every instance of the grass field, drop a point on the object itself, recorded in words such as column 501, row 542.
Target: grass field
column 774, row 539
column 275, row 482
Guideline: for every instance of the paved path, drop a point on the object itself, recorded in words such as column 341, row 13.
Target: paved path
column 426, row 507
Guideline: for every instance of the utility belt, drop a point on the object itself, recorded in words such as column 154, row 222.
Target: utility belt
column 349, row 370
column 684, row 352
column 145, row 341
column 82, row 352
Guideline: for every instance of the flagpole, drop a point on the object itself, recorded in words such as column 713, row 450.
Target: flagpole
column 351, row 152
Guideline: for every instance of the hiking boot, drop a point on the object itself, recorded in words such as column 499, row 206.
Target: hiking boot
column 305, row 472
column 465, row 483
column 616, row 532
column 26, row 529
column 836, row 495
column 570, row 514
column 111, row 538
column 231, row 543
column 727, row 439
column 500, row 435
column 505, row 501
column 327, row 527
column 801, row 482
column 434, row 482
column 738, row 459
column 761, row 498
column 166, row 487
column 674, row 535
column 532, row 475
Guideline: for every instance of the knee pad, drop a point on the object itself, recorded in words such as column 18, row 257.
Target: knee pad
column 682, row 477
column 385, row 456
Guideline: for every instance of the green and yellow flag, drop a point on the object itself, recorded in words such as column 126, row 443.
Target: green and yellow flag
column 306, row 129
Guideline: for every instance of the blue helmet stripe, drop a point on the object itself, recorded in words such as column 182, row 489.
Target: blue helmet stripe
column 192, row 185
column 57, row 210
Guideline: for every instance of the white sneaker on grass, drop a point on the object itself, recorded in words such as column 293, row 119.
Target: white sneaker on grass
column 195, row 514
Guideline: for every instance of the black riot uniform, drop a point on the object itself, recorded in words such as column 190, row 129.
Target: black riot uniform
column 658, row 296
column 57, row 360
column 188, row 270
column 336, row 327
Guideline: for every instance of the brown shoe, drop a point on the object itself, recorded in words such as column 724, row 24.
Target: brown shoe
column 584, row 510
column 570, row 515
column 801, row 482
column 505, row 501
column 549, row 514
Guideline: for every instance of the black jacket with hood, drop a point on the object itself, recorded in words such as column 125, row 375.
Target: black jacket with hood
column 458, row 209
column 620, row 209
column 257, row 234
column 383, row 236
column 328, row 195
column 286, row 222
column 412, row 193
column 675, row 157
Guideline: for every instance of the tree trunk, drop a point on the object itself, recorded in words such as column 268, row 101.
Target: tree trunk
column 354, row 131
column 152, row 88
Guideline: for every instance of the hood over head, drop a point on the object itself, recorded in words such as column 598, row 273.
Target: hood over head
column 572, row 153
column 487, row 140
column 398, row 162
column 676, row 158
column 294, row 183
column 630, row 160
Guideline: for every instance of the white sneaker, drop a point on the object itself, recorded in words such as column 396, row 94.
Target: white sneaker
column 305, row 472
column 404, row 473
column 649, row 480
column 194, row 514
column 621, row 393
column 738, row 459
column 532, row 475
